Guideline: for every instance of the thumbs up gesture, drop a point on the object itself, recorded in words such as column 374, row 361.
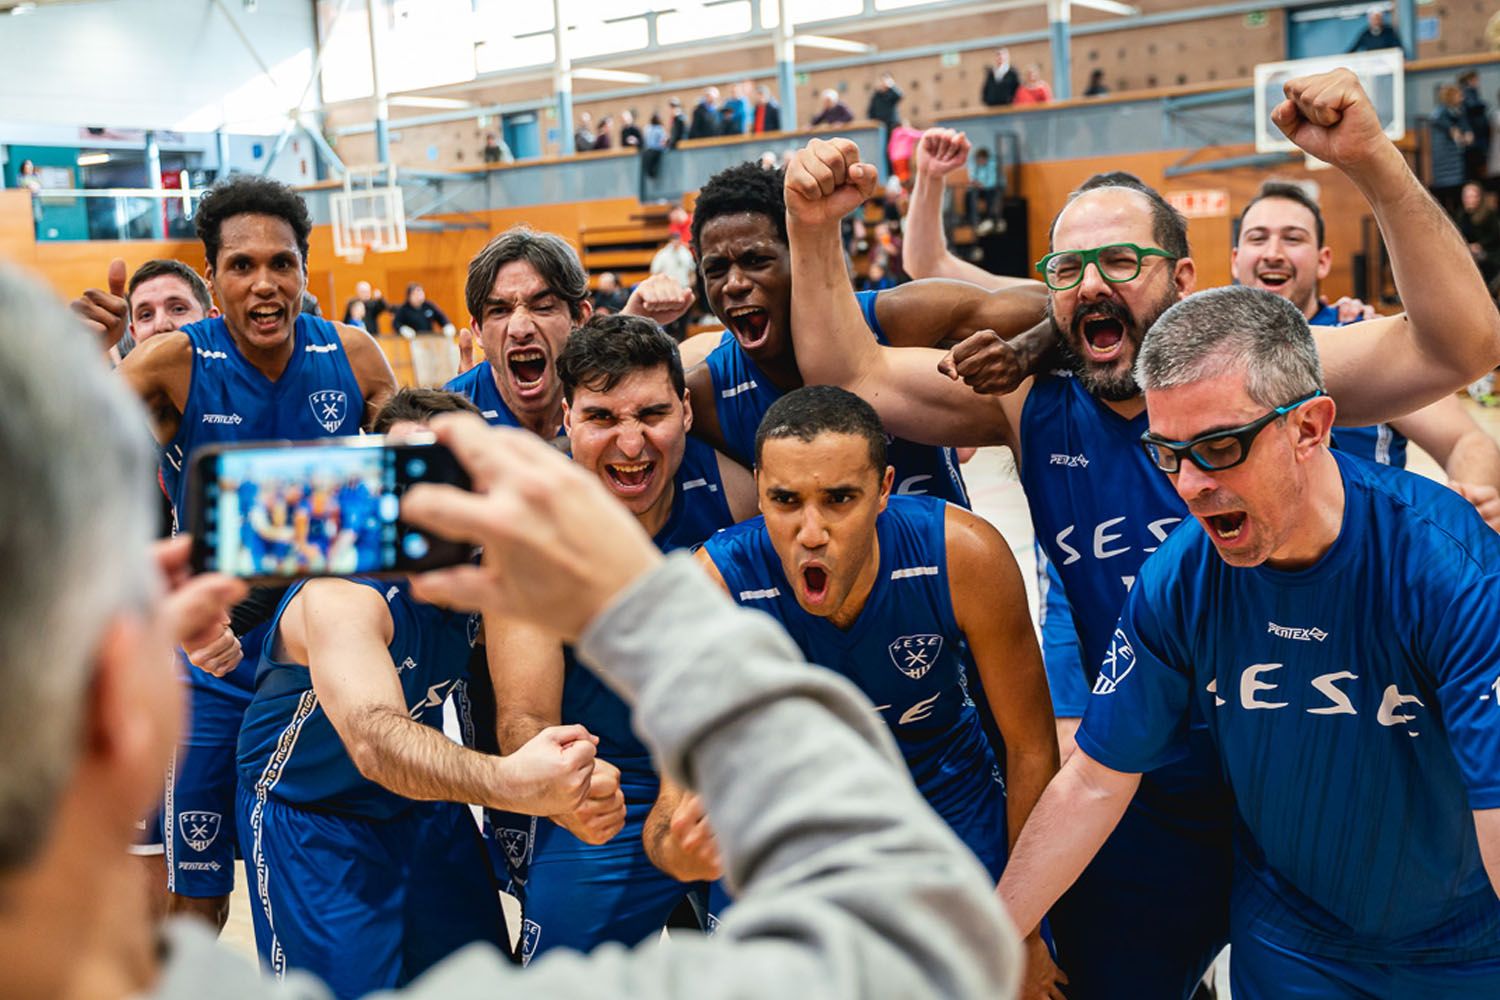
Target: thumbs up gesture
column 105, row 313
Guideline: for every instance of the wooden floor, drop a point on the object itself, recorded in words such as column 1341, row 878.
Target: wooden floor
column 997, row 495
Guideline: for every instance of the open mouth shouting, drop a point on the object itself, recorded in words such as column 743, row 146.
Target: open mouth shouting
column 815, row 584
column 749, row 324
column 630, row 479
column 527, row 370
column 1103, row 337
column 1225, row 528
column 266, row 319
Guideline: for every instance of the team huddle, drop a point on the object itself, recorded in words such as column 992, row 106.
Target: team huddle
column 1263, row 711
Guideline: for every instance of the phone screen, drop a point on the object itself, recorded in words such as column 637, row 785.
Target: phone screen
column 283, row 511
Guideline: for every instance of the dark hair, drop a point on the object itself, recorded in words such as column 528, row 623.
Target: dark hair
column 551, row 255
column 1168, row 226
column 606, row 349
column 745, row 187
column 419, row 405
column 250, row 194
column 822, row 409
column 176, row 269
column 1287, row 191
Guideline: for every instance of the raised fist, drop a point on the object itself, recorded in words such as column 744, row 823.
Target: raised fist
column 826, row 181
column 1329, row 116
column 941, row 151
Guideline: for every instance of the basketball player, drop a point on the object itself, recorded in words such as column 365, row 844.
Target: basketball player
column 1280, row 249
column 739, row 235
column 895, row 593
column 1335, row 622
column 162, row 296
column 526, row 291
column 259, row 371
column 1151, row 910
column 367, row 867
column 627, row 413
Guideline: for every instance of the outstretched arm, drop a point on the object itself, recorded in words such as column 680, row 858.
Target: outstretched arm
column 1450, row 334
column 824, row 182
column 1467, row 454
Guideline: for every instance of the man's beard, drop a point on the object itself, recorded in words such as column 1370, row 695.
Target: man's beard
column 1107, row 382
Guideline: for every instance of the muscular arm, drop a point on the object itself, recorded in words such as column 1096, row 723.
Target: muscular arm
column 700, row 383
column 526, row 669
column 1069, row 824
column 1447, row 432
column 160, row 372
column 989, row 601
column 377, row 382
column 833, row 345
column 345, row 628
column 677, row 836
column 739, row 488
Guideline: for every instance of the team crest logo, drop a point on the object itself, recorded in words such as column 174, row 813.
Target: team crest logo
column 914, row 655
column 517, row 846
column 1118, row 663
column 531, row 933
column 199, row 829
column 330, row 407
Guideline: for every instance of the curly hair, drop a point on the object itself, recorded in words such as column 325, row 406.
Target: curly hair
column 250, row 194
column 746, row 187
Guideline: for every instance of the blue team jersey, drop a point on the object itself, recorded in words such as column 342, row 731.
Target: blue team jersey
column 289, row 749
column 478, row 383
column 1354, row 707
column 230, row 400
column 1100, row 508
column 743, row 394
column 1380, row 443
column 904, row 651
column 699, row 509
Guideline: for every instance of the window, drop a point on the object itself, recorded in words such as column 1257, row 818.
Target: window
column 691, row 24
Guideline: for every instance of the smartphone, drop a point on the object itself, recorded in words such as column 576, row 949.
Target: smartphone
column 273, row 511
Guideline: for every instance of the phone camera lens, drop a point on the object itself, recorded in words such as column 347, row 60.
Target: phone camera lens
column 414, row 545
column 416, row 468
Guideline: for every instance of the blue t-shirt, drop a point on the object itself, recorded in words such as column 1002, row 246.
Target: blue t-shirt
column 230, row 400
column 289, row 749
column 699, row 509
column 478, row 383
column 743, row 394
column 905, row 652
column 1380, row 443
column 1353, row 706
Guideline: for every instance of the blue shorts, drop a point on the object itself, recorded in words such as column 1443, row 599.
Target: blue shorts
column 366, row 904
column 1262, row 970
column 581, row 895
column 1062, row 656
column 197, row 820
column 1148, row 914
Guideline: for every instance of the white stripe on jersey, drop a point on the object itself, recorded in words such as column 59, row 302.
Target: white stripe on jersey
column 760, row 595
column 902, row 574
column 736, row 390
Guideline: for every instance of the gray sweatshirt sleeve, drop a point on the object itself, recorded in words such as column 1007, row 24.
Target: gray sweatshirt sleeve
column 849, row 886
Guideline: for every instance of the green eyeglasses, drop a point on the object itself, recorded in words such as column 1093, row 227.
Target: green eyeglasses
column 1117, row 262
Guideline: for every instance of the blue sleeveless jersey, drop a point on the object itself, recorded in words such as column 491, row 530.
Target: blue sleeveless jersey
column 1100, row 508
column 1379, row 443
column 229, row 400
column 905, row 652
column 478, row 383
column 289, row 749
column 699, row 509
column 743, row 394
column 1353, row 704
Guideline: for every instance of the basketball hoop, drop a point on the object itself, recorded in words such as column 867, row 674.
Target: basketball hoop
column 369, row 214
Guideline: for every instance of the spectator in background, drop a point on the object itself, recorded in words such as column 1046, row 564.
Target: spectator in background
column 767, row 116
column 1476, row 113
column 899, row 149
column 678, row 130
column 1096, row 86
column 767, row 160
column 373, row 304
column 27, row 177
column 1001, row 82
column 705, row 115
column 737, row 121
column 1448, row 128
column 653, row 144
column 630, row 132
column 496, row 151
column 354, row 314
column 680, row 221
column 726, row 119
column 1492, row 176
column 1480, row 225
column 676, row 261
column 984, row 184
column 417, row 315
column 583, row 136
column 875, row 279
column 604, row 136
column 609, row 297
column 310, row 305
column 1035, row 90
column 1377, row 35
column 884, row 101
column 832, row 110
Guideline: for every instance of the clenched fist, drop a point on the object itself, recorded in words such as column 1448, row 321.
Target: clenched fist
column 602, row 813
column 551, row 772
column 942, row 151
column 826, row 181
column 1329, row 116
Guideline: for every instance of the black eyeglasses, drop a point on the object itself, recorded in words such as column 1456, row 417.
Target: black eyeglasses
column 1217, row 450
column 1117, row 263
